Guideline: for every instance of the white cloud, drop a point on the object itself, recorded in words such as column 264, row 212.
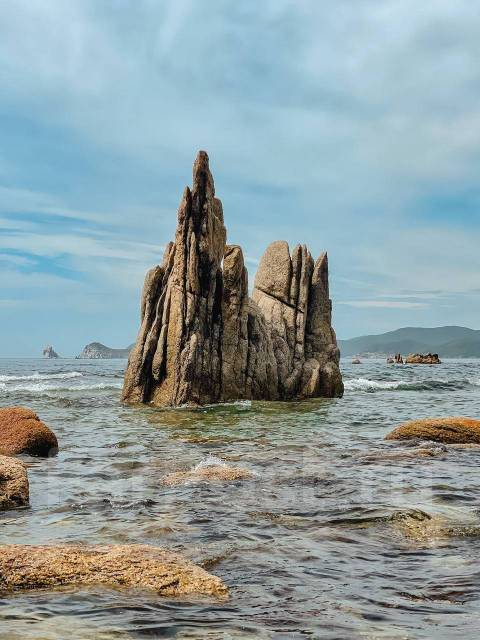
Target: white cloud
column 384, row 304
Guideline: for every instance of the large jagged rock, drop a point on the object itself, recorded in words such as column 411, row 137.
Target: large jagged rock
column 203, row 340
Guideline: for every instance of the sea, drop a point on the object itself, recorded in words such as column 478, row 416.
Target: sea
column 338, row 534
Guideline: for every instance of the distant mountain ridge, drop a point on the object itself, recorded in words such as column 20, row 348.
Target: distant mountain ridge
column 448, row 342
column 98, row 351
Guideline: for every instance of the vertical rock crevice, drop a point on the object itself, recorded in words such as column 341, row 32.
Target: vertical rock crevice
column 203, row 340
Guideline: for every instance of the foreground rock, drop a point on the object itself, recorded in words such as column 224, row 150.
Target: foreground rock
column 423, row 358
column 215, row 473
column 14, row 491
column 22, row 431
column 98, row 351
column 49, row 352
column 29, row 567
column 203, row 340
column 446, row 430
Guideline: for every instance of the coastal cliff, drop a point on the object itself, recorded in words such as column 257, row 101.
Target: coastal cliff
column 203, row 339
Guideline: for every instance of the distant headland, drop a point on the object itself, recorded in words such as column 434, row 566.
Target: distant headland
column 449, row 342
column 98, row 351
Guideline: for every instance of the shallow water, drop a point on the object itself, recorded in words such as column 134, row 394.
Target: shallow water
column 329, row 539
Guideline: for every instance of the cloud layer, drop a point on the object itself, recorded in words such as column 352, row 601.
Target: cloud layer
column 353, row 126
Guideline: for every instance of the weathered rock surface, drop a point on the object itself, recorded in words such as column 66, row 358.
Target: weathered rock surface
column 98, row 351
column 27, row 567
column 203, row 340
column 22, row 431
column 49, row 352
column 14, row 491
column 209, row 473
column 423, row 358
column 446, row 430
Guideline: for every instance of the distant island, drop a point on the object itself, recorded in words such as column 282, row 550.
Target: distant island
column 98, row 351
column 449, row 342
column 49, row 352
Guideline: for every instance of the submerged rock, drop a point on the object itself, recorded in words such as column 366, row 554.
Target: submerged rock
column 49, row 352
column 14, row 491
column 27, row 567
column 207, row 473
column 446, row 430
column 203, row 340
column 22, row 431
column 423, row 358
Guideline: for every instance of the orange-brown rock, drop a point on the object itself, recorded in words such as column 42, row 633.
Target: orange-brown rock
column 448, row 430
column 22, row 431
column 423, row 358
column 14, row 491
column 27, row 567
column 203, row 340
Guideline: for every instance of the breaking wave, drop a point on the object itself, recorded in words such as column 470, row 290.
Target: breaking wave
column 42, row 387
column 43, row 376
column 365, row 384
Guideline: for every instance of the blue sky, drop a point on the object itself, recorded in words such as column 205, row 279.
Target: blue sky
column 351, row 125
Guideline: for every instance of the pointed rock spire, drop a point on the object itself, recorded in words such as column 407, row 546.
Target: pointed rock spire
column 202, row 339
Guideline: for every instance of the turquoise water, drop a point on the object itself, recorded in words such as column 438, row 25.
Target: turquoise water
column 316, row 544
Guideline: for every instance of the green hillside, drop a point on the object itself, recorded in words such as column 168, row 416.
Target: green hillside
column 448, row 342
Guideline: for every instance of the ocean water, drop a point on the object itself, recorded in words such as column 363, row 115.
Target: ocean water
column 338, row 534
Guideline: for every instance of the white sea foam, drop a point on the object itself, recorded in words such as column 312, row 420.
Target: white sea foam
column 210, row 461
column 364, row 384
column 43, row 376
column 45, row 387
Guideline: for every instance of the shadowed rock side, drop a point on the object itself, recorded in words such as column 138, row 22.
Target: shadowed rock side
column 14, row 490
column 203, row 340
column 27, row 567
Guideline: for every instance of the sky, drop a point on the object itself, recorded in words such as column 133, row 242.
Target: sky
column 350, row 125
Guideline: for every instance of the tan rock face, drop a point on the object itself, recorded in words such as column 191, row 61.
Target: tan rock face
column 27, row 567
column 22, row 431
column 447, row 430
column 203, row 340
column 14, row 490
column 423, row 358
column 211, row 473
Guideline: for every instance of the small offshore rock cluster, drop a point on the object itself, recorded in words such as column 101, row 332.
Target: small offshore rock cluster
column 423, row 358
column 203, row 339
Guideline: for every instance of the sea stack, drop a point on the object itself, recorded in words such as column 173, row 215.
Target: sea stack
column 203, row 340
column 49, row 352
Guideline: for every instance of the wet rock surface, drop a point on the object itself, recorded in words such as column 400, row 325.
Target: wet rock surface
column 208, row 473
column 455, row 430
column 22, row 431
column 27, row 567
column 203, row 340
column 14, row 490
